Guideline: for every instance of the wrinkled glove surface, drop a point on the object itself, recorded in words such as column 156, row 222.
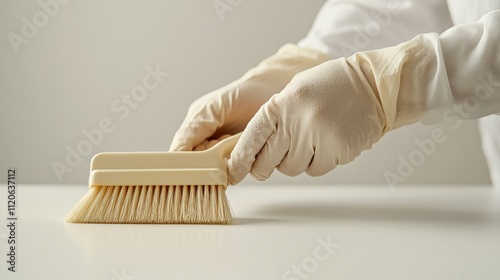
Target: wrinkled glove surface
column 329, row 114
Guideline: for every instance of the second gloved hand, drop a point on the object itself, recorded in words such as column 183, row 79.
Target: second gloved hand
column 228, row 109
column 329, row 114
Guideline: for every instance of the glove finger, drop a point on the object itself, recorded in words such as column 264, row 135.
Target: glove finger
column 323, row 161
column 251, row 142
column 270, row 155
column 297, row 160
column 199, row 125
column 186, row 139
column 207, row 144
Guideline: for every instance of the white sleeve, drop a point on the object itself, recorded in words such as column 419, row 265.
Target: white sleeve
column 342, row 28
column 467, row 11
column 468, row 57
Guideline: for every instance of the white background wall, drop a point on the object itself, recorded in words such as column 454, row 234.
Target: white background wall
column 65, row 78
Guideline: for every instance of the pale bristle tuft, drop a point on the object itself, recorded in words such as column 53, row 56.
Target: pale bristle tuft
column 188, row 204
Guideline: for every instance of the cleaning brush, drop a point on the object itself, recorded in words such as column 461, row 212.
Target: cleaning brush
column 158, row 187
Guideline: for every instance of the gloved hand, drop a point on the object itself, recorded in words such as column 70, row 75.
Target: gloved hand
column 228, row 109
column 329, row 114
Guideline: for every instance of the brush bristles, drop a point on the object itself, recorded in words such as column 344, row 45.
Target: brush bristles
column 153, row 205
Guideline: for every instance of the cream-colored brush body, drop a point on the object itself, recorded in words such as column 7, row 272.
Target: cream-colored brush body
column 158, row 187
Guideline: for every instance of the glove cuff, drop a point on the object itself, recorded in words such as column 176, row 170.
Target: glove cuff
column 402, row 78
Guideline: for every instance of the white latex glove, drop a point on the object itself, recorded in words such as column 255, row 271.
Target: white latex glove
column 228, row 109
column 329, row 114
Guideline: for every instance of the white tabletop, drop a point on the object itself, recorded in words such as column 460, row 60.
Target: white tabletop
column 280, row 232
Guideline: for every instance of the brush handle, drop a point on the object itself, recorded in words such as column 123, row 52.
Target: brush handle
column 207, row 167
column 215, row 157
column 224, row 147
